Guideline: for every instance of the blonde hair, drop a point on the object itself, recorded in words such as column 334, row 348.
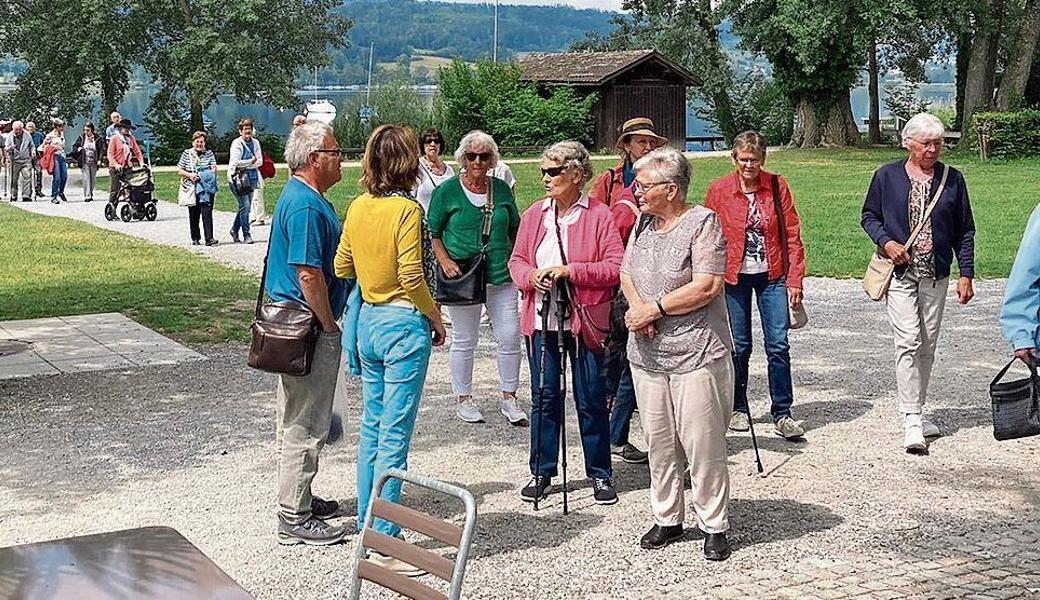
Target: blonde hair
column 245, row 123
column 197, row 135
column 391, row 160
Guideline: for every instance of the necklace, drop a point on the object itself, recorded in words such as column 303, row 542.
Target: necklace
column 476, row 187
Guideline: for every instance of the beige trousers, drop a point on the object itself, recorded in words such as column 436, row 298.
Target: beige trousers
column 915, row 309
column 684, row 417
column 304, row 416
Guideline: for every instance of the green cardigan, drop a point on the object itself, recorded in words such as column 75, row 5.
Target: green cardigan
column 456, row 222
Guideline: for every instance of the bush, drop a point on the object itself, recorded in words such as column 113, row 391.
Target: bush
column 492, row 97
column 1008, row 134
column 395, row 101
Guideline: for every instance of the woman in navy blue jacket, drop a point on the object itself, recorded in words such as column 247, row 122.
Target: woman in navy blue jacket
column 898, row 200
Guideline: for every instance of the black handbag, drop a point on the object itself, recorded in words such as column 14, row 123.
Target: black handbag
column 241, row 183
column 284, row 335
column 470, row 287
column 1016, row 405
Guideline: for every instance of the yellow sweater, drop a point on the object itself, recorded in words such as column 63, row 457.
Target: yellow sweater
column 382, row 246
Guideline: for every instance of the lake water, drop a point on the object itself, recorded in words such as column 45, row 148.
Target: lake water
column 226, row 111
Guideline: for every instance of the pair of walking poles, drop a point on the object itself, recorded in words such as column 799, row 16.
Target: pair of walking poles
column 562, row 313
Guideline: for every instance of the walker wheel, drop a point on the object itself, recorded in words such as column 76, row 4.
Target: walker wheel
column 126, row 213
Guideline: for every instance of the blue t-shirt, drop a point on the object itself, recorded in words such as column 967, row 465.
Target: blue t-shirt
column 305, row 230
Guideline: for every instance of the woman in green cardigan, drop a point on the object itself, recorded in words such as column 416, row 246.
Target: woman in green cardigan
column 456, row 217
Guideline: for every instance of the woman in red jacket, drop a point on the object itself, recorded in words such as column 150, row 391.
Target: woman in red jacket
column 759, row 262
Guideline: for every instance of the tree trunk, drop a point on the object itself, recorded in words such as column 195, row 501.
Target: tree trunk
column 196, row 114
column 819, row 124
column 110, row 92
column 982, row 63
column 1016, row 74
column 963, row 53
column 875, row 92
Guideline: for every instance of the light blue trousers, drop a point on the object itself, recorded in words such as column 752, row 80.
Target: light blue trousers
column 394, row 344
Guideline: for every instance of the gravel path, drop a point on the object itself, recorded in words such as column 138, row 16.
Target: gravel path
column 191, row 446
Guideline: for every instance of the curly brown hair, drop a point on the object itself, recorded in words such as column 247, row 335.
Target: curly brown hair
column 391, row 161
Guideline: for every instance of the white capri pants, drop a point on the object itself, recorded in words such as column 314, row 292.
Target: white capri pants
column 465, row 333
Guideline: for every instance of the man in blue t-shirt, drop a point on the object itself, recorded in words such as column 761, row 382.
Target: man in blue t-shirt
column 304, row 234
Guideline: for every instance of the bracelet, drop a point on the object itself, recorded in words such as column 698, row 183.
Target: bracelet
column 661, row 308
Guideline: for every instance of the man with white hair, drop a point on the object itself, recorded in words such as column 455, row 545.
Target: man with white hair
column 305, row 231
column 5, row 162
column 37, row 170
column 298, row 120
column 113, row 128
column 20, row 150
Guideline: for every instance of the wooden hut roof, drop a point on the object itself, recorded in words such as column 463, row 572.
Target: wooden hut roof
column 592, row 68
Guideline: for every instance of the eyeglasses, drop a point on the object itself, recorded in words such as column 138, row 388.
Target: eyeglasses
column 642, row 188
column 553, row 171
column 431, row 141
column 483, row 156
column 336, row 151
column 749, row 161
column 934, row 144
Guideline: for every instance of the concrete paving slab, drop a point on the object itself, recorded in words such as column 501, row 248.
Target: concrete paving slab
column 87, row 343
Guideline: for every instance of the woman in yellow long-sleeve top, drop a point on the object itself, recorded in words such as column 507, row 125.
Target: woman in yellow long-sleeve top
column 382, row 247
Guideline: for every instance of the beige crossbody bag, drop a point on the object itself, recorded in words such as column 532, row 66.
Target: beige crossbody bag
column 879, row 272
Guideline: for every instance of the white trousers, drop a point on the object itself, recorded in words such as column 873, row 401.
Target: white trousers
column 465, row 332
column 256, row 206
column 915, row 309
column 684, row 417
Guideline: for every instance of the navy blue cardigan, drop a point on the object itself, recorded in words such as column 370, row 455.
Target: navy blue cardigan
column 886, row 216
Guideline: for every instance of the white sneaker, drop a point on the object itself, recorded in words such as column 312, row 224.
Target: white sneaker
column 913, row 436
column 467, row 411
column 513, row 413
column 397, row 566
column 929, row 429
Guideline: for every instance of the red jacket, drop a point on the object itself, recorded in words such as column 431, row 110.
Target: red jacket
column 594, row 253
column 729, row 202
column 610, row 184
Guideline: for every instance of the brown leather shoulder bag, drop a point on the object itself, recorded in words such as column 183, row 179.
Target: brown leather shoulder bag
column 285, row 334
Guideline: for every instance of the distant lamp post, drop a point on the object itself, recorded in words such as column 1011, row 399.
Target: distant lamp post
column 494, row 43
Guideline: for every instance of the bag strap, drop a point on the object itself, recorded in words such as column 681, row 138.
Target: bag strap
column 928, row 211
column 1032, row 370
column 263, row 280
column 489, row 212
column 781, row 224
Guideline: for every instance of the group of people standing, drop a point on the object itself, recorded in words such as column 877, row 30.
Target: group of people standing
column 646, row 296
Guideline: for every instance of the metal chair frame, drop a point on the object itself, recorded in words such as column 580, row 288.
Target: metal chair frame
column 460, row 538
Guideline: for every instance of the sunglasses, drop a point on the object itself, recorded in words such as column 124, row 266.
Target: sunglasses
column 431, row 141
column 336, row 151
column 483, row 156
column 553, row 171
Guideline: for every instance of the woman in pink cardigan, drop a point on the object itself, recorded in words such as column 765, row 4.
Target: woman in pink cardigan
column 567, row 242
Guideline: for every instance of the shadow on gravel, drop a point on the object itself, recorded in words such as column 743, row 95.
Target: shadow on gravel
column 952, row 420
column 763, row 521
column 68, row 437
column 501, row 532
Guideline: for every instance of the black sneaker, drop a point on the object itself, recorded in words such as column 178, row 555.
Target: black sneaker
column 247, row 239
column 324, row 509
column 538, row 487
column 603, row 491
column 659, row 537
column 630, row 454
column 212, row 242
column 716, row 546
column 313, row 532
column 234, row 236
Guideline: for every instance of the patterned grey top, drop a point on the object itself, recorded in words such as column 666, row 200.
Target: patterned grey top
column 922, row 258
column 659, row 263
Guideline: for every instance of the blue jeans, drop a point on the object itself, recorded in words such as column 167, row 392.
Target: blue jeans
column 546, row 406
column 61, row 176
column 772, row 307
column 394, row 347
column 245, row 201
column 619, row 382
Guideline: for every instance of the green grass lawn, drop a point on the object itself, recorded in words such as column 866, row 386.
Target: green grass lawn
column 829, row 186
column 56, row 267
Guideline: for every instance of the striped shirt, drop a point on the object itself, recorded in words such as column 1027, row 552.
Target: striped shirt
column 192, row 162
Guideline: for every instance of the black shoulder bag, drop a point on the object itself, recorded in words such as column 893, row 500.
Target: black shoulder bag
column 1016, row 404
column 285, row 334
column 470, row 287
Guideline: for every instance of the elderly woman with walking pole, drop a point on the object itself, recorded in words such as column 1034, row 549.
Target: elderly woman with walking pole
column 567, row 242
column 679, row 348
column 918, row 215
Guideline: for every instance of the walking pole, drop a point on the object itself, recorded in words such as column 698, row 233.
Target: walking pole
column 561, row 311
column 754, row 441
column 543, row 359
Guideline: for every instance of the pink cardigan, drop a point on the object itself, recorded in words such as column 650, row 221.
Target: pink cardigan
column 594, row 254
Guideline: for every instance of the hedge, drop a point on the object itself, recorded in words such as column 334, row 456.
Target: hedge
column 1008, row 134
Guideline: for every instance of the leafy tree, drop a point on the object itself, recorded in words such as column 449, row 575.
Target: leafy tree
column 253, row 49
column 902, row 100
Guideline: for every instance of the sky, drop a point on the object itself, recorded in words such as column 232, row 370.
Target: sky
column 600, row 4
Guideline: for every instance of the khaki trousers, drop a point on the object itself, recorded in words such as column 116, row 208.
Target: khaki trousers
column 915, row 309
column 304, row 416
column 685, row 416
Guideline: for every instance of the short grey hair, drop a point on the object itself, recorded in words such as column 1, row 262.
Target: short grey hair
column 303, row 140
column 670, row 165
column 572, row 155
column 475, row 139
column 17, row 124
column 923, row 125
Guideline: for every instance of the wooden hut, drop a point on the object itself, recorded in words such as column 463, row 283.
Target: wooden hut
column 632, row 83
